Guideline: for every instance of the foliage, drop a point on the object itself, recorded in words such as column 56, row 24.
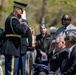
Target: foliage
column 54, row 11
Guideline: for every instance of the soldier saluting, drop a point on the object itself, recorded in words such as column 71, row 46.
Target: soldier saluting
column 14, row 31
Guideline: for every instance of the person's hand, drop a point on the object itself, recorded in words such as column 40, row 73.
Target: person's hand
column 52, row 46
column 43, row 53
column 23, row 16
column 20, row 20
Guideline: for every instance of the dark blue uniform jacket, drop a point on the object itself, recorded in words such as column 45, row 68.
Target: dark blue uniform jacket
column 15, row 45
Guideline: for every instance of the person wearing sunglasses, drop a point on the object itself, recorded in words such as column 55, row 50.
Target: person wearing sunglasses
column 66, row 22
column 59, row 54
column 52, row 32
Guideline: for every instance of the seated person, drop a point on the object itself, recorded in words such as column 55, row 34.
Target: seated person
column 69, row 68
column 58, row 57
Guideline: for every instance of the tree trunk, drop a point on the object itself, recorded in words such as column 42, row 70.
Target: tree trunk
column 43, row 11
column 1, row 3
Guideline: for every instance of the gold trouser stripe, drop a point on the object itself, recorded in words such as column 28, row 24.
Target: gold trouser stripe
column 12, row 66
column 13, row 35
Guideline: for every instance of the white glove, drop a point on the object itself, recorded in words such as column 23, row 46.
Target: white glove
column 23, row 16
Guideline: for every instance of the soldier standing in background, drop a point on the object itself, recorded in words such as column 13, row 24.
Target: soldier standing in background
column 24, row 45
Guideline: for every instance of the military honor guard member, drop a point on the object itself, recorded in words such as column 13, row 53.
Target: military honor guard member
column 13, row 47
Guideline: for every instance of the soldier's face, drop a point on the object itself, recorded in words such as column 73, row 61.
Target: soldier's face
column 19, row 11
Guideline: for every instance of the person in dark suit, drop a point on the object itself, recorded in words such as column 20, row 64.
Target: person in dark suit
column 60, row 55
column 69, row 67
column 14, row 44
column 57, row 58
column 24, row 47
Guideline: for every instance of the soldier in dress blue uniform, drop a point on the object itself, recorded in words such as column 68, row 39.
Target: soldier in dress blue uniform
column 24, row 45
column 13, row 47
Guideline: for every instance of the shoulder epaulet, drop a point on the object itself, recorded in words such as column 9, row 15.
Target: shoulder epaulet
column 13, row 17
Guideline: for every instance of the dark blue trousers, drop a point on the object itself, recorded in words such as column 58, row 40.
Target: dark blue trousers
column 22, row 64
column 11, row 65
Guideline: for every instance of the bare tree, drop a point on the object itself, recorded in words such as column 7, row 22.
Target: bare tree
column 43, row 11
column 1, row 3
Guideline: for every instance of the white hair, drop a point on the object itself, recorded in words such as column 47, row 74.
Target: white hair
column 53, row 29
